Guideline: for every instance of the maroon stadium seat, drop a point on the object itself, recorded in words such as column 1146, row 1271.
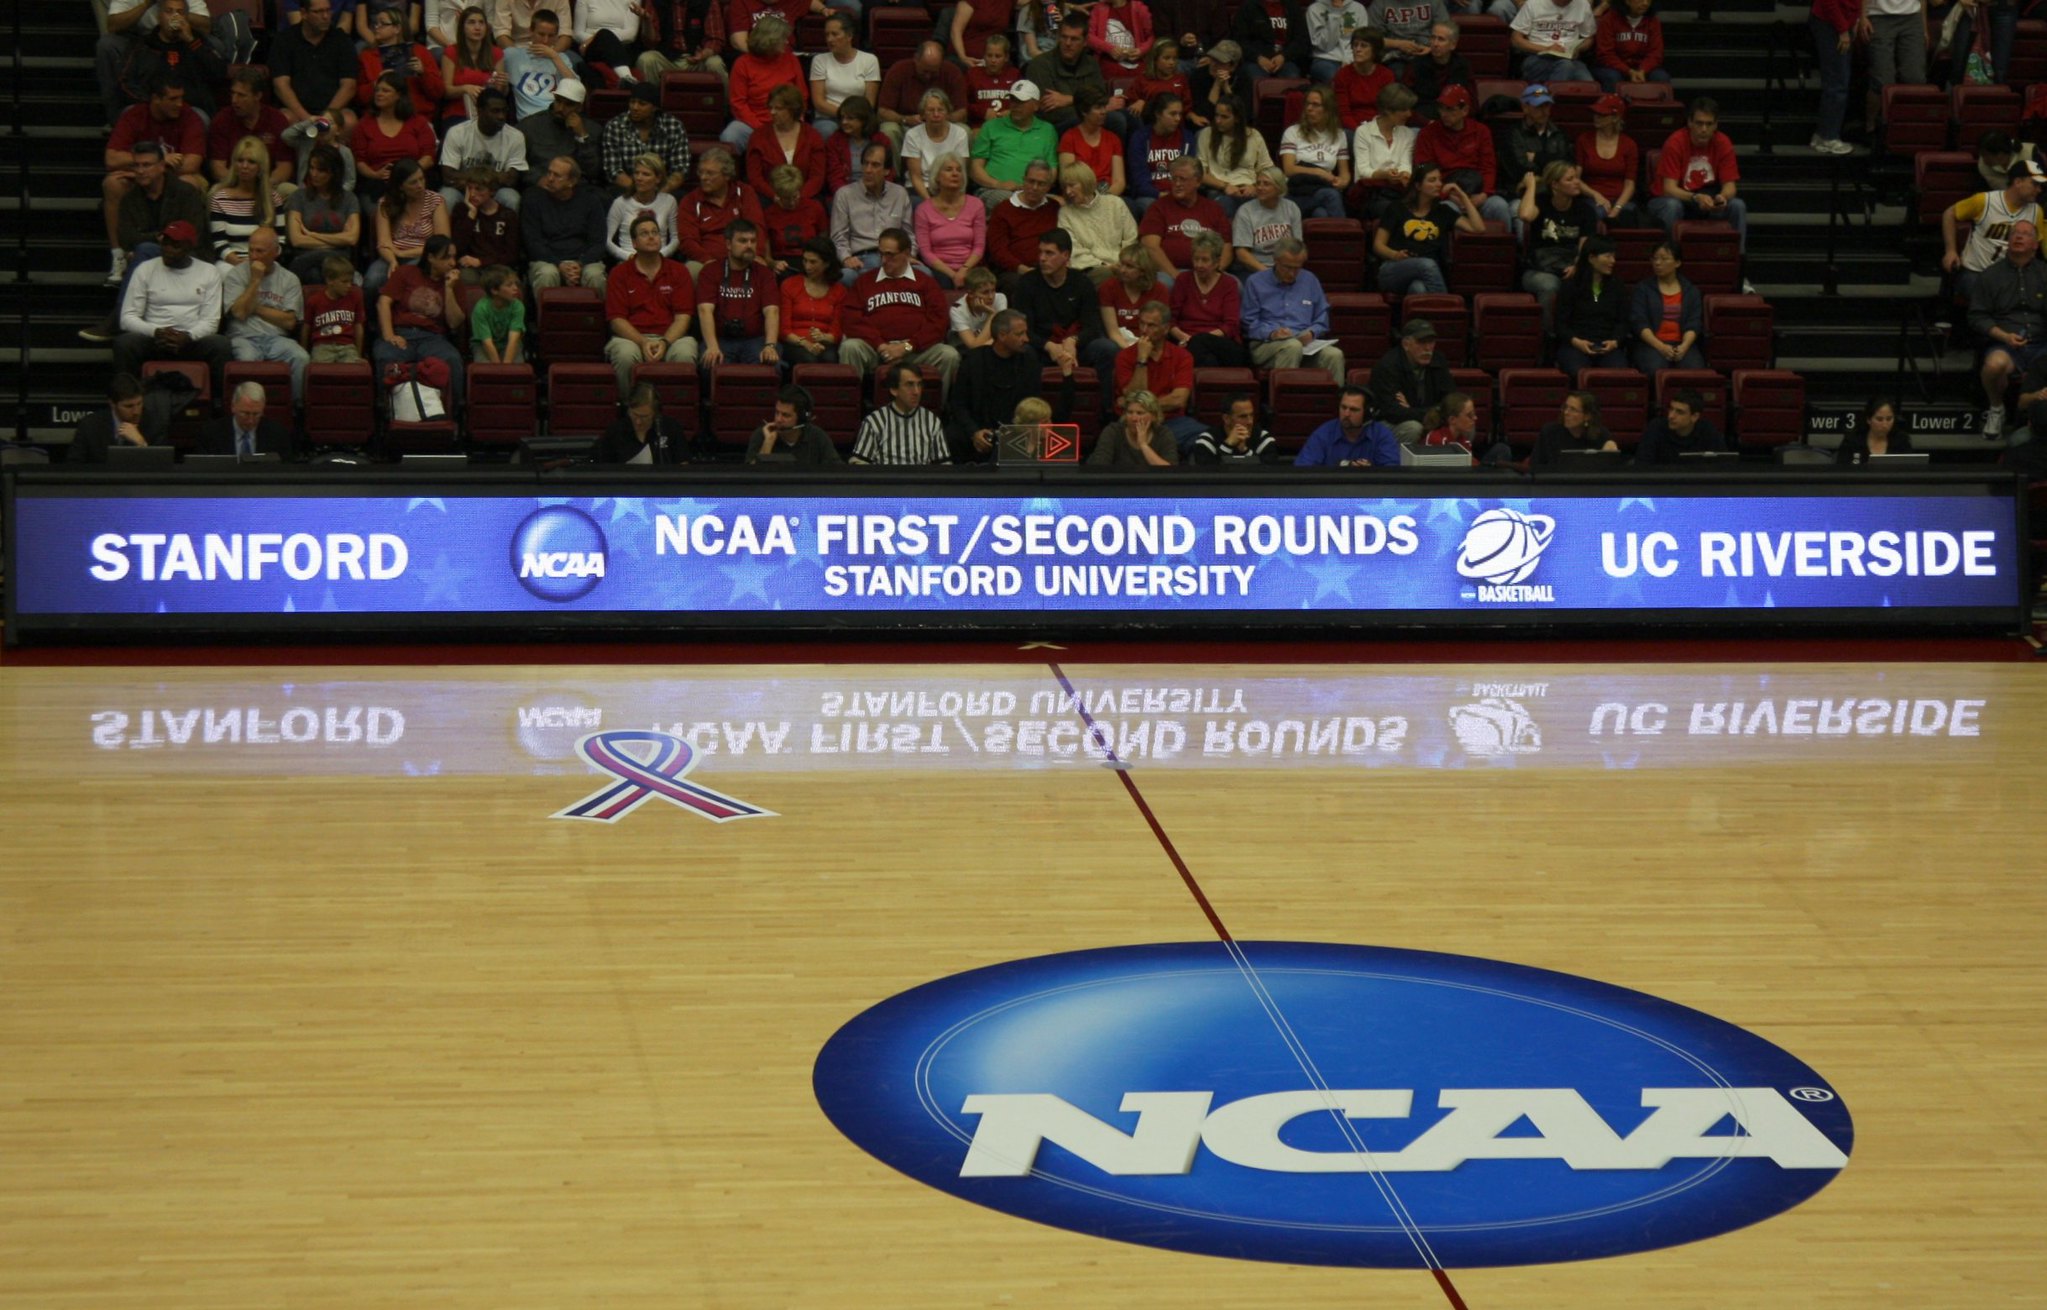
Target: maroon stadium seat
column 1213, row 388
column 1979, row 109
column 1337, row 253
column 895, row 31
column 341, row 405
column 742, row 398
column 1362, row 323
column 1507, row 327
column 1087, row 408
column 1529, row 398
column 582, row 399
column 1712, row 254
column 185, row 425
column 699, row 101
column 1485, row 43
column 1484, row 261
column 1268, row 103
column 1297, row 401
column 569, row 326
column 1939, row 179
column 1769, row 407
column 834, row 399
column 1915, row 118
column 1740, row 333
column 504, row 404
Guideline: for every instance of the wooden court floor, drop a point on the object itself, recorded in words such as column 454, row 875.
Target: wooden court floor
column 307, row 1000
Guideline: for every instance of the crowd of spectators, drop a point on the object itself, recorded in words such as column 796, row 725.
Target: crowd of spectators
column 1079, row 187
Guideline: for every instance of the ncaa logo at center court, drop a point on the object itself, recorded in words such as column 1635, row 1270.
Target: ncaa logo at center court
column 1337, row 1105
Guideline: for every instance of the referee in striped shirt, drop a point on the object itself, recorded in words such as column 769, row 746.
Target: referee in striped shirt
column 902, row 431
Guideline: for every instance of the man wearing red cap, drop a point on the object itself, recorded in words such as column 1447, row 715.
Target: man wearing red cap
column 172, row 308
column 1464, row 151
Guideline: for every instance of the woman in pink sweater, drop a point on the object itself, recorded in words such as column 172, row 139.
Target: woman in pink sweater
column 1120, row 32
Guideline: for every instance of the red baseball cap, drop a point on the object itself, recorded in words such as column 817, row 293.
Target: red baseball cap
column 1455, row 95
column 1609, row 104
column 181, row 231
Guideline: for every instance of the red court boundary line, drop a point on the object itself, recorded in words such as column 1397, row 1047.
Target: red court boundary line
column 895, row 648
column 1215, row 921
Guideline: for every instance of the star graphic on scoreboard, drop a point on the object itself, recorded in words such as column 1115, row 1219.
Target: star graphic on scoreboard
column 1644, row 501
column 749, row 578
column 682, row 507
column 1628, row 588
column 1332, row 577
column 1449, row 507
column 1613, row 760
column 443, row 581
column 622, row 507
column 417, row 501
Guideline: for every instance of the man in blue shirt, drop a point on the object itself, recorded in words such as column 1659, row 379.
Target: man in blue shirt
column 1286, row 315
column 1349, row 440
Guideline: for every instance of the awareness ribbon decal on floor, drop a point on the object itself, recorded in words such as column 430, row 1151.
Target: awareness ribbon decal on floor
column 640, row 780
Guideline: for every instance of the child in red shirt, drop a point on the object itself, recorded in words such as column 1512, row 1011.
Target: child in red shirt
column 1161, row 73
column 332, row 328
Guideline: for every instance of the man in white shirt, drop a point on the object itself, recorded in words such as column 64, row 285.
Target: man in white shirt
column 1553, row 36
column 485, row 143
column 263, row 302
column 172, row 308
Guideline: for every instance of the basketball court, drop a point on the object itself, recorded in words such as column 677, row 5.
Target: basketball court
column 315, row 997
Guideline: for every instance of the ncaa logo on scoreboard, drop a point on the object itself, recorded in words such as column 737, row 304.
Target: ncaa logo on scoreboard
column 558, row 553
column 1334, row 1105
column 1500, row 550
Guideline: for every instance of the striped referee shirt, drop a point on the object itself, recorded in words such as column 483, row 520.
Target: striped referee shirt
column 890, row 436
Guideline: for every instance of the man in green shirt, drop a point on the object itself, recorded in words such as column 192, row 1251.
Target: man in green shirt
column 1008, row 144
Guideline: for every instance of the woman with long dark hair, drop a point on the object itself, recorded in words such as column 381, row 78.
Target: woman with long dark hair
column 322, row 218
column 1876, row 432
column 391, row 132
column 1413, row 239
column 410, row 214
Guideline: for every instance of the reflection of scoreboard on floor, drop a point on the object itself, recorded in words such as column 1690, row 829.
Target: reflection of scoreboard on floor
column 1038, row 443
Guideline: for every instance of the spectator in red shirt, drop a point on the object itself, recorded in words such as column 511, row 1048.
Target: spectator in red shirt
column 1697, row 176
column 1090, row 141
column 1173, row 221
column 793, row 220
column 1207, row 305
column 389, row 133
column 786, row 140
column 1157, row 365
column 1120, row 32
column 651, row 302
column 766, row 65
column 1609, row 161
column 167, row 120
column 702, row 215
column 897, row 314
column 1464, row 151
column 904, row 84
column 739, row 309
column 1359, row 82
column 417, row 310
column 989, row 81
column 1162, row 76
column 849, row 144
column 248, row 114
column 813, row 307
column 974, row 22
column 1627, row 45
column 1015, row 225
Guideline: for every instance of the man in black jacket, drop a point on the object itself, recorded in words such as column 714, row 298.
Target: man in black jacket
column 1408, row 380
column 1064, row 313
column 1534, row 143
column 1430, row 75
column 1683, row 429
column 1274, row 34
column 246, row 430
column 642, row 435
column 991, row 381
column 122, row 423
column 561, row 224
column 790, row 437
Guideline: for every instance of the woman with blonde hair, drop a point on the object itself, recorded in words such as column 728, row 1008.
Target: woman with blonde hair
column 1315, row 155
column 1133, row 285
column 650, row 170
column 934, row 137
column 1100, row 225
column 1139, row 439
column 951, row 226
column 244, row 201
column 793, row 220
